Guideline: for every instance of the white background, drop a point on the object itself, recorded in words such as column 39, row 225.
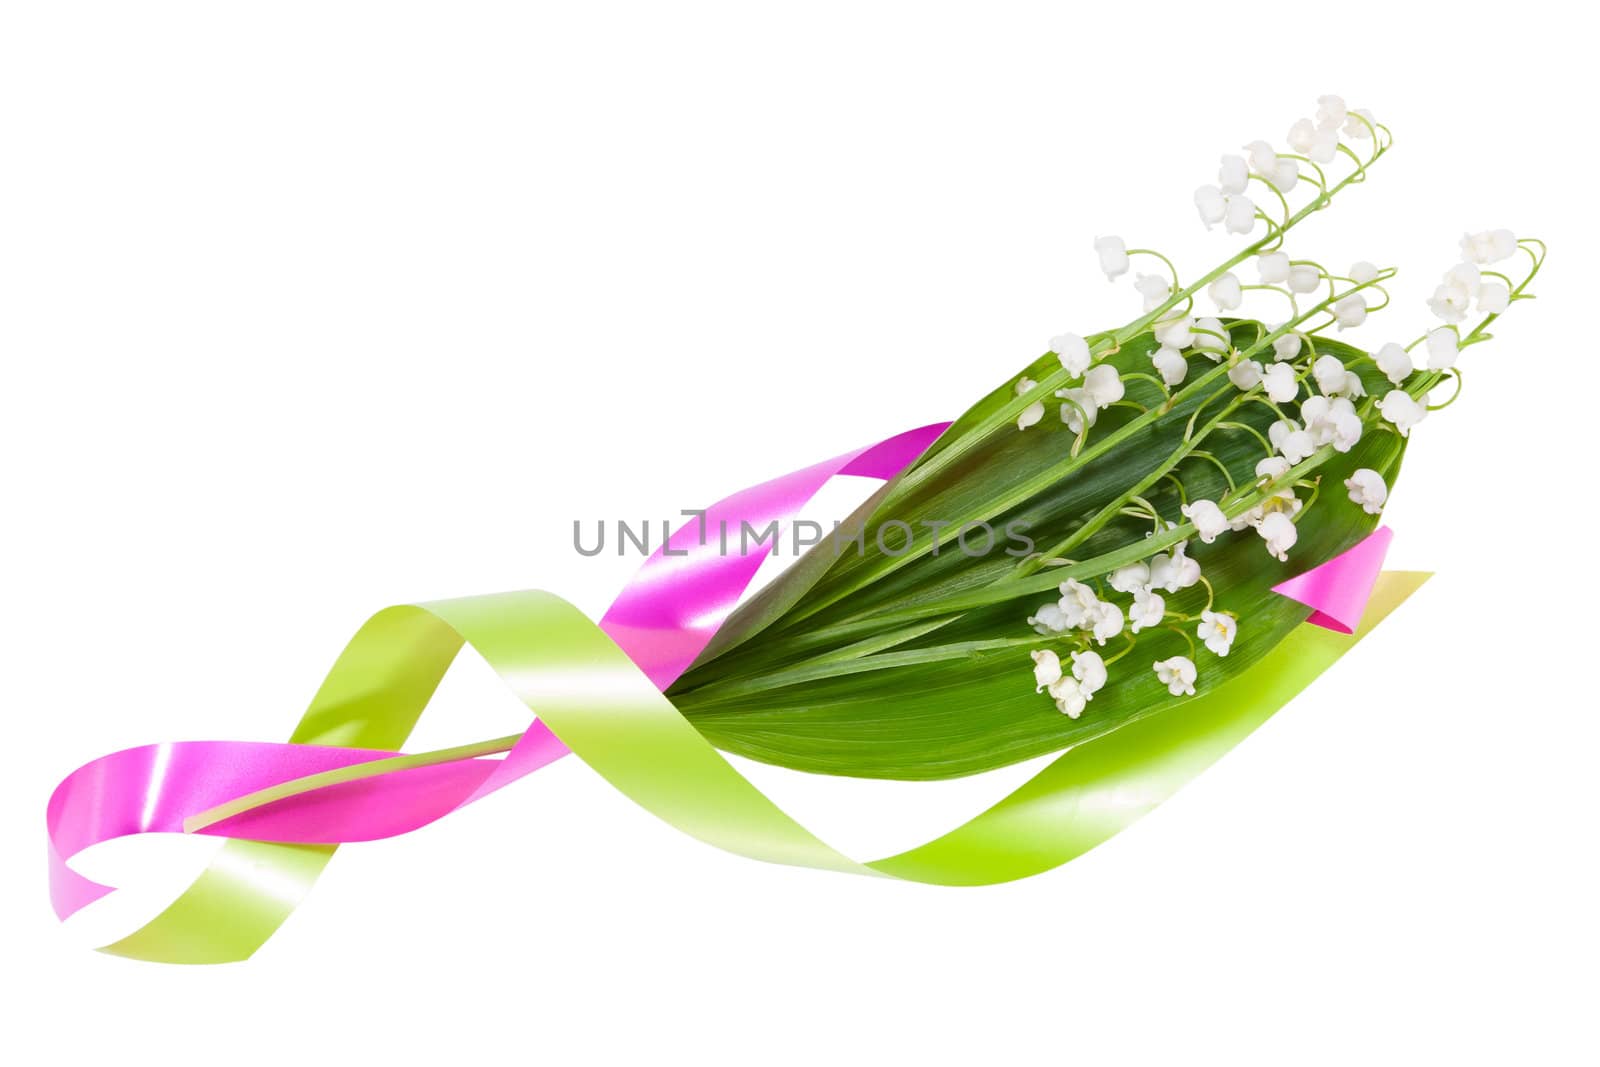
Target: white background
column 313, row 308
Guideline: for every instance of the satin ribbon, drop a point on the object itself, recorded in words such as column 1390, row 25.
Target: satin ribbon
column 597, row 692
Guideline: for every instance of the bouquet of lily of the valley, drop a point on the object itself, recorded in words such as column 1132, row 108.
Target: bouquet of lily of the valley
column 1151, row 484
column 1091, row 559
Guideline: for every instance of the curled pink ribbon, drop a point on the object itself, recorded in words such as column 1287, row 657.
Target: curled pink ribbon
column 662, row 619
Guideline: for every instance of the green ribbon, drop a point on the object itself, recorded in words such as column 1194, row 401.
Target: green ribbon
column 596, row 701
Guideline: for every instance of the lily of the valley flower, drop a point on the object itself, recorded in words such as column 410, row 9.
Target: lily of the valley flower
column 1493, row 298
column 1209, row 521
column 1274, row 267
column 1049, row 619
column 1175, row 571
column 1443, row 348
column 1069, row 697
column 1078, row 603
column 1286, row 347
column 1367, row 488
column 1106, row 622
column 1237, row 212
column 1080, row 411
column 1398, row 408
column 1280, row 534
column 1149, row 608
column 1331, row 421
column 1317, row 145
column 1226, row 292
column 1030, row 415
column 1280, row 384
column 1217, row 630
column 1233, row 177
column 1178, row 332
column 1170, row 364
column 1362, row 272
column 1153, row 288
column 1177, row 674
column 1090, row 671
column 1489, row 246
column 1046, row 669
column 1130, row 578
column 1073, row 351
column 1304, row 278
column 1113, row 256
column 1103, row 385
column 1289, row 438
column 1395, row 362
column 1329, row 373
column 1331, row 112
column 1245, row 374
column 1351, row 311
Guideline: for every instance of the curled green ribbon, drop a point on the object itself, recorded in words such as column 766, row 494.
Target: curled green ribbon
column 587, row 691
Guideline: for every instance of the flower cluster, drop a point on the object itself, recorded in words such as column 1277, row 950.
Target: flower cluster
column 1320, row 402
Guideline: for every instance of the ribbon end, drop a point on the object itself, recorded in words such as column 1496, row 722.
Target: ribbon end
column 1337, row 591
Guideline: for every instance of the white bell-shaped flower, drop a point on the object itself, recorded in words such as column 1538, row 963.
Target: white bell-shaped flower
column 1493, row 298
column 1395, row 362
column 1362, row 272
column 1030, row 415
column 1263, row 160
column 1209, row 521
column 1212, row 338
column 1176, row 332
column 1078, row 602
column 1127, row 579
column 1103, row 385
column 1367, row 488
column 1489, row 246
column 1285, row 175
column 1304, row 278
column 1217, row 630
column 1113, row 256
column 1174, row 571
column 1331, row 112
column 1287, row 347
column 1399, row 408
column 1107, row 622
column 1443, row 348
column 1233, row 176
column 1272, row 468
column 1280, row 534
column 1212, row 204
column 1274, row 268
column 1149, row 608
column 1090, row 671
column 1329, row 373
column 1226, row 292
column 1069, row 697
column 1245, row 374
column 1080, row 411
column 1177, row 674
column 1073, row 351
column 1049, row 619
column 1046, row 669
column 1154, row 288
column 1355, row 128
column 1240, row 216
column 1279, row 382
column 1351, row 311
column 1170, row 364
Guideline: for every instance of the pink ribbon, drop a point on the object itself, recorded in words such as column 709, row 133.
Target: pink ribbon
column 1338, row 590
column 662, row 619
